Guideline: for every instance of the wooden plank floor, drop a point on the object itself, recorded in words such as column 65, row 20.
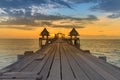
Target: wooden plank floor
column 60, row 61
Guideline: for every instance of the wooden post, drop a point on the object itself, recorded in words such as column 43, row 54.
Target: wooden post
column 19, row 57
column 46, row 40
column 78, row 43
column 40, row 42
column 103, row 58
column 28, row 53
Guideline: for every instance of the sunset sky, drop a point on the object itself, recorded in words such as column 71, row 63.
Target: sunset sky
column 91, row 18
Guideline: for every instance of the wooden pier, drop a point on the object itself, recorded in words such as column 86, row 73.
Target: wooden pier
column 60, row 61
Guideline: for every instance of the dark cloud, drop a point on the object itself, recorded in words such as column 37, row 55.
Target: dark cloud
column 28, row 3
column 84, row 1
column 108, row 5
column 31, row 20
column 63, row 22
column 62, row 2
column 49, row 17
column 8, row 5
column 21, row 12
column 47, row 20
column 112, row 6
column 103, row 5
column 92, row 17
column 114, row 16
column 46, row 23
column 20, row 27
column 15, row 7
column 62, row 17
column 67, row 26
column 19, row 21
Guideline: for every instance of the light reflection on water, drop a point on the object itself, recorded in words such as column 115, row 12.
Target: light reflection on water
column 9, row 49
column 107, row 47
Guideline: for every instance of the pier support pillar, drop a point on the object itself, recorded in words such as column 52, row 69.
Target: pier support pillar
column 103, row 58
column 44, row 38
column 77, row 42
column 43, row 42
column 40, row 42
column 19, row 57
column 28, row 53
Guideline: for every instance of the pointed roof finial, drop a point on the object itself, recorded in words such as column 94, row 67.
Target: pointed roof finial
column 44, row 32
column 73, row 32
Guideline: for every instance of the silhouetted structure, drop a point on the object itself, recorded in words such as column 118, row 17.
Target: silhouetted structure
column 74, row 40
column 73, row 33
column 44, row 33
column 44, row 39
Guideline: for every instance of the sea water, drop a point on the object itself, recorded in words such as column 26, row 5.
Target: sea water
column 104, row 47
column 10, row 48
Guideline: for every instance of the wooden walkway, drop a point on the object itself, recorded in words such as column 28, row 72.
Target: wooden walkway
column 60, row 61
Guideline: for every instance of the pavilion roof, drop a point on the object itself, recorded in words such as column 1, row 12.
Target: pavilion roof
column 44, row 32
column 73, row 32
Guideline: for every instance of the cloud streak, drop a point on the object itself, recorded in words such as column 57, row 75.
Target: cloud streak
column 49, row 20
column 114, row 15
column 111, row 6
column 67, row 26
column 108, row 5
column 35, row 12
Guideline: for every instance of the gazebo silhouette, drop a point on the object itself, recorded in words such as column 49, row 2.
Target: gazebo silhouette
column 74, row 39
column 43, row 40
column 73, row 33
column 44, row 33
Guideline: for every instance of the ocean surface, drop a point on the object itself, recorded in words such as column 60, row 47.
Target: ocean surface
column 10, row 48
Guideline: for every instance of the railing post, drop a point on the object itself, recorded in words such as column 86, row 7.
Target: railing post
column 40, row 42
column 77, row 42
